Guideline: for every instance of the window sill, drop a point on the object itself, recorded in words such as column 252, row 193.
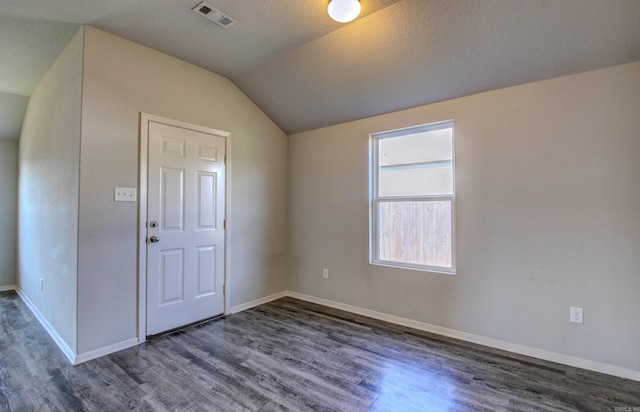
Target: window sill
column 430, row 269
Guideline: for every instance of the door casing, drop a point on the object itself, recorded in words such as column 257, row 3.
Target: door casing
column 145, row 118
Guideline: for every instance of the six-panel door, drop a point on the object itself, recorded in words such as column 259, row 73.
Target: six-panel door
column 186, row 201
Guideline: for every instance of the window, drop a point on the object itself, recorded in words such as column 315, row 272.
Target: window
column 413, row 198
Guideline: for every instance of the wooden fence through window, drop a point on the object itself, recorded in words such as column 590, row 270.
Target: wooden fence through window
column 416, row 232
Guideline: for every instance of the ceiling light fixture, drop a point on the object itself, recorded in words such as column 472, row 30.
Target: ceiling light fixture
column 344, row 11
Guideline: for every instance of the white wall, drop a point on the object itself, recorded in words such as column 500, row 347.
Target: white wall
column 122, row 79
column 548, row 217
column 48, row 193
column 8, row 211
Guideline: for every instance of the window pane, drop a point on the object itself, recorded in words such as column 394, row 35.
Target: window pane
column 418, row 164
column 416, row 232
column 420, row 147
column 415, row 181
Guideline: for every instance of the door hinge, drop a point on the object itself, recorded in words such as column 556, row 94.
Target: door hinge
column 224, row 224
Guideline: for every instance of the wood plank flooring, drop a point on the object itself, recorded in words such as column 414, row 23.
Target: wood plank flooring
column 290, row 355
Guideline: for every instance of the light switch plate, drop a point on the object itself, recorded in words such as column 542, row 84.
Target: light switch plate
column 124, row 194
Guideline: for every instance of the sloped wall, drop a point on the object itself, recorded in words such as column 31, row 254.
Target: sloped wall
column 122, row 79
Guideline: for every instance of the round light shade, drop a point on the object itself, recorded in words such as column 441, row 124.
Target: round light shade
column 344, row 11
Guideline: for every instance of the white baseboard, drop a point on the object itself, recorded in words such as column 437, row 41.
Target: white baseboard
column 257, row 302
column 482, row 340
column 106, row 350
column 439, row 330
column 66, row 350
column 7, row 288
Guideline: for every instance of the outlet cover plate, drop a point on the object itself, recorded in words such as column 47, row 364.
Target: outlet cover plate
column 576, row 315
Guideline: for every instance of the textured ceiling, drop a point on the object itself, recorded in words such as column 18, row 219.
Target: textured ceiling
column 419, row 51
column 306, row 71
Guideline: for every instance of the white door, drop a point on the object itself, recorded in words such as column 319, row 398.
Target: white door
column 185, row 227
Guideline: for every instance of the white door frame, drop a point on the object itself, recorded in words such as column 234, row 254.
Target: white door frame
column 145, row 118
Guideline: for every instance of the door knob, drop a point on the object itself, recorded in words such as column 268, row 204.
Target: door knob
column 154, row 239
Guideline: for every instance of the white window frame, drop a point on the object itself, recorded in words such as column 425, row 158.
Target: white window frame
column 375, row 199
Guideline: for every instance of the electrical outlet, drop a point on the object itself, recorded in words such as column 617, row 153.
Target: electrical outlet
column 325, row 273
column 576, row 315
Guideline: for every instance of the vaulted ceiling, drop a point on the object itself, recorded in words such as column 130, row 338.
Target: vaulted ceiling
column 306, row 71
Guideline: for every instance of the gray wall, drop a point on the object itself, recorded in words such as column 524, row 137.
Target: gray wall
column 81, row 139
column 48, row 193
column 122, row 79
column 547, row 206
column 8, row 211
column 548, row 217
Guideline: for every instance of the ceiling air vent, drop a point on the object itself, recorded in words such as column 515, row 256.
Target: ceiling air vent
column 207, row 10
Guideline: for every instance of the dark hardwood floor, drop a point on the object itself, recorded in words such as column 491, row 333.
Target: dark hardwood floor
column 290, row 355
